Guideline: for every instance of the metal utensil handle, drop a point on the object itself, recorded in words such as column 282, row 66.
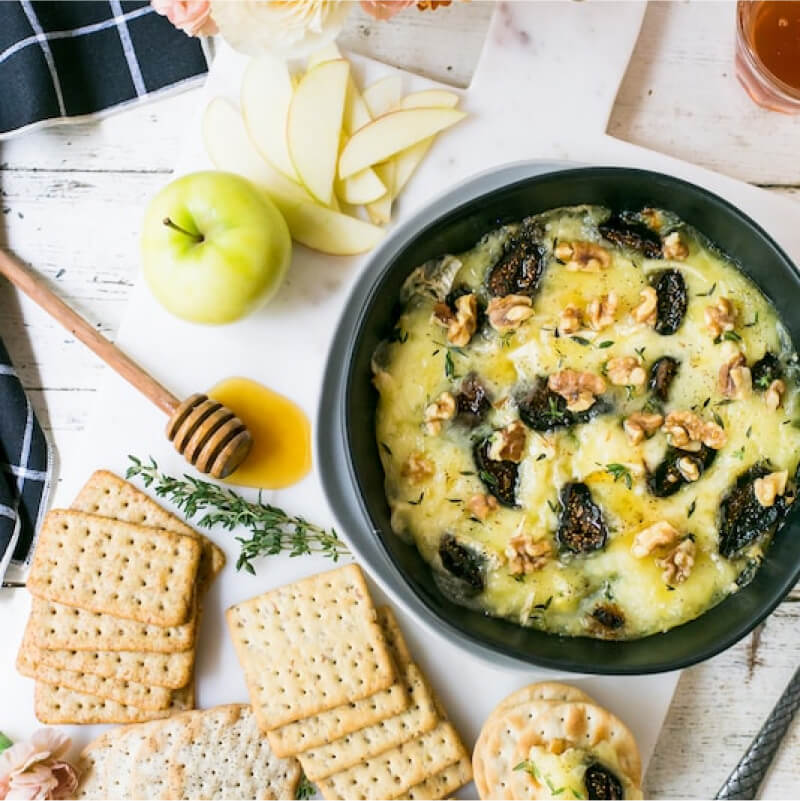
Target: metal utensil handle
column 746, row 778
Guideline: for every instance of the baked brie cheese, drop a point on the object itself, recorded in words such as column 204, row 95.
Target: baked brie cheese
column 587, row 422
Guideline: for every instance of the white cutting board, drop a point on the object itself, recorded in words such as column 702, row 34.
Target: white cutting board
column 544, row 88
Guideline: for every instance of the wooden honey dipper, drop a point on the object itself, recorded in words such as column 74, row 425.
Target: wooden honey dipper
column 209, row 435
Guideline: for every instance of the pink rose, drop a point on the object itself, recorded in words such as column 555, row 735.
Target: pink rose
column 193, row 17
column 36, row 769
column 384, row 9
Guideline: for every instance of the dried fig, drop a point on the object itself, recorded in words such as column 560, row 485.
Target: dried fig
column 742, row 518
column 668, row 478
column 520, row 268
column 581, row 528
column 600, row 783
column 662, row 374
column 472, row 401
column 673, row 300
column 766, row 370
column 544, row 410
column 462, row 562
column 632, row 235
column 499, row 477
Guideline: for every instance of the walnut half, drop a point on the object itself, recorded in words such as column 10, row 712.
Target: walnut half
column 720, row 317
column 579, row 390
column 626, row 371
column 678, row 563
column 509, row 312
column 586, row 257
column 735, row 379
column 773, row 397
column 653, row 537
column 417, row 468
column 686, row 431
column 525, row 555
column 508, row 444
column 462, row 323
column 674, row 247
column 640, row 425
column 768, row 488
column 647, row 310
column 443, row 408
column 481, row 506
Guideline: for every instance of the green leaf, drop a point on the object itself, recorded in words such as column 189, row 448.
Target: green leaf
column 272, row 530
column 305, row 789
column 488, row 478
column 529, row 767
column 620, row 473
column 449, row 367
column 581, row 340
column 692, row 507
column 709, row 293
column 607, row 344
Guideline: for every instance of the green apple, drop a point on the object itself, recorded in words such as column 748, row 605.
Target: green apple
column 214, row 247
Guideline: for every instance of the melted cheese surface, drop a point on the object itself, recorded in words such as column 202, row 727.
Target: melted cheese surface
column 419, row 364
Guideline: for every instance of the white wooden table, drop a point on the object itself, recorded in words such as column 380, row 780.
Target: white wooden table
column 72, row 200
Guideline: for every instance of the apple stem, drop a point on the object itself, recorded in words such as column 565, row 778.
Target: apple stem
column 197, row 237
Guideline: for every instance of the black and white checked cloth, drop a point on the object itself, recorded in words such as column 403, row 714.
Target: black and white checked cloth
column 70, row 59
column 25, row 466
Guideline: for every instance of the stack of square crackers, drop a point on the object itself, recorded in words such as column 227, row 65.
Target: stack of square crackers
column 332, row 682
column 213, row 753
column 117, row 583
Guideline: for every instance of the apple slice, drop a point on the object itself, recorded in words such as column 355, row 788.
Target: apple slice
column 383, row 94
column 362, row 188
column 389, row 134
column 381, row 97
column 314, row 125
column 328, row 53
column 430, row 98
column 329, row 231
column 407, row 161
column 230, row 149
column 265, row 98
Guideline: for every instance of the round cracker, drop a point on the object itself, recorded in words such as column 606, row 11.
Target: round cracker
column 549, row 691
column 551, row 726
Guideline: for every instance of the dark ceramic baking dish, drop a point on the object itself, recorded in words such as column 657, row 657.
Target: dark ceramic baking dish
column 348, row 455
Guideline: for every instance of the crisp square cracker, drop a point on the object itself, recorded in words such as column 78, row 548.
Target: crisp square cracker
column 317, row 730
column 310, row 646
column 60, row 705
column 221, row 753
column 91, row 766
column 124, row 692
column 442, row 784
column 420, row 717
column 107, row 495
column 394, row 772
column 118, row 765
column 123, row 569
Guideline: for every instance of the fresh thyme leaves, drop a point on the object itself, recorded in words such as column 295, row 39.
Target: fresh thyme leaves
column 488, row 478
column 640, row 351
column 553, row 507
column 529, row 767
column 449, row 367
column 748, row 432
column 730, row 336
column 419, row 500
column 709, row 293
column 754, row 322
column 305, row 789
column 386, row 448
column 541, row 456
column 581, row 340
column 272, row 530
column 552, row 409
column 718, row 420
column 398, row 335
column 620, row 473
column 739, row 454
column 692, row 507
column 545, row 605
column 607, row 344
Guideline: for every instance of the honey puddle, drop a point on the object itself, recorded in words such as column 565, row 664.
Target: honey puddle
column 281, row 453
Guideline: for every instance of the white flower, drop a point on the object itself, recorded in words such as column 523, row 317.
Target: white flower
column 293, row 27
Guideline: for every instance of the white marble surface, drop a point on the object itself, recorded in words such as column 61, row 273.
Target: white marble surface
column 72, row 198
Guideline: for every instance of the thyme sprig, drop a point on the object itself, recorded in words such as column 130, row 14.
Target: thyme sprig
column 272, row 530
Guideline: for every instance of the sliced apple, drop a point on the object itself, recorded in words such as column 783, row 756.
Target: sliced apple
column 230, row 149
column 383, row 94
column 265, row 98
column 430, row 98
column 314, row 125
column 362, row 188
column 328, row 53
column 407, row 161
column 389, row 134
column 329, row 231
